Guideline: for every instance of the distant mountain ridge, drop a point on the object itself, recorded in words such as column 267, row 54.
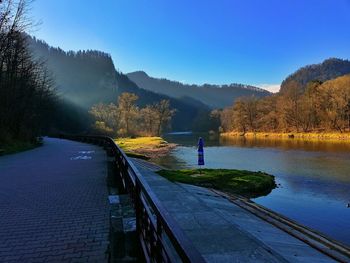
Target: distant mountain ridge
column 215, row 96
column 329, row 69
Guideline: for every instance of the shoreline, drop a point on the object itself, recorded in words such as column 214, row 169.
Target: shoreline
column 145, row 147
column 156, row 152
column 303, row 136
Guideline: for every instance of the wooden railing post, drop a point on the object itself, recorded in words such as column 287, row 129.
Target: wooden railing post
column 138, row 209
column 159, row 247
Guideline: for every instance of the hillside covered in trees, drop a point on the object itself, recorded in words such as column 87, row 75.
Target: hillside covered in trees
column 317, row 106
column 86, row 78
column 327, row 70
column 83, row 77
column 214, row 96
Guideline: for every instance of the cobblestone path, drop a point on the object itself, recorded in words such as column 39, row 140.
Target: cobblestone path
column 53, row 204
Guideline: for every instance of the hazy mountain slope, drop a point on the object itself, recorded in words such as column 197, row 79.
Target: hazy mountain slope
column 328, row 69
column 214, row 96
column 86, row 78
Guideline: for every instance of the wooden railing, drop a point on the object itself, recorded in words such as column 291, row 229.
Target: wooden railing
column 161, row 238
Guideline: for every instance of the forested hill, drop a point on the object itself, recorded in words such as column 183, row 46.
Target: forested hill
column 327, row 70
column 215, row 96
column 85, row 78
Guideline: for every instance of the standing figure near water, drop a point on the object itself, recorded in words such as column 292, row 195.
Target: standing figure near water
column 200, row 152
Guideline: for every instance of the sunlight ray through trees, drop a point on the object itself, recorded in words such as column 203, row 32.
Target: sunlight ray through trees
column 126, row 119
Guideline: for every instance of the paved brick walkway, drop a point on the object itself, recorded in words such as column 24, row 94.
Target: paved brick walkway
column 53, row 204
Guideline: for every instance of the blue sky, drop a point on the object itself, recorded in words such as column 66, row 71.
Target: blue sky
column 218, row 41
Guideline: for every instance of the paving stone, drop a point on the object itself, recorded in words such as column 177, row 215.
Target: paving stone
column 51, row 207
column 222, row 231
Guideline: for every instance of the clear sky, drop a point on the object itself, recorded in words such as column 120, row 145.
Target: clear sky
column 202, row 41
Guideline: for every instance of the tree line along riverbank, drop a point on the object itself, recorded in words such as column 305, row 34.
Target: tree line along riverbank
column 307, row 136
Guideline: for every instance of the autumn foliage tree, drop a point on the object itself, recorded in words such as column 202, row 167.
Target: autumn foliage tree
column 126, row 119
column 163, row 114
column 128, row 112
column 319, row 107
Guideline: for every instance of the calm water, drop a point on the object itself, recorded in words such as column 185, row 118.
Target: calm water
column 313, row 177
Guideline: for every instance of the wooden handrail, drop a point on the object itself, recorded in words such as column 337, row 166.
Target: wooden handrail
column 152, row 219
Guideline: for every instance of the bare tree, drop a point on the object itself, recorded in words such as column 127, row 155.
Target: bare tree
column 163, row 115
column 128, row 110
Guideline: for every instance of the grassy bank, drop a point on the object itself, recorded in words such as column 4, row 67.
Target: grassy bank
column 310, row 136
column 17, row 146
column 144, row 147
column 246, row 183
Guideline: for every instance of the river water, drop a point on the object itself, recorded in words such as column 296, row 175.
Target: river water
column 313, row 177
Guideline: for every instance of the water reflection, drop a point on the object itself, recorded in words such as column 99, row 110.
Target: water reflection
column 287, row 144
column 314, row 175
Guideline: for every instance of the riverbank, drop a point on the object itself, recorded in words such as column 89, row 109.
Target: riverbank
column 145, row 147
column 246, row 183
column 307, row 136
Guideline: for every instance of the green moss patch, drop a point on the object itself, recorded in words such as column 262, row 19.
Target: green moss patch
column 246, row 183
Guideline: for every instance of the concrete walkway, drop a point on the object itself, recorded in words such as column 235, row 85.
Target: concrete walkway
column 54, row 204
column 223, row 231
